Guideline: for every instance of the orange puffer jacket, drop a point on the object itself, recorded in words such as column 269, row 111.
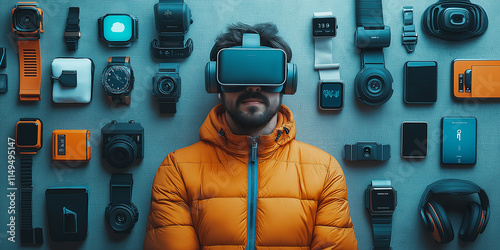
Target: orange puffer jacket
column 233, row 192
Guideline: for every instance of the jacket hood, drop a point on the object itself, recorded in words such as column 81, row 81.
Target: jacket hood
column 215, row 130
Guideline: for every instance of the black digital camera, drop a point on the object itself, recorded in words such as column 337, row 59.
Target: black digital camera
column 167, row 87
column 367, row 151
column 122, row 143
column 172, row 20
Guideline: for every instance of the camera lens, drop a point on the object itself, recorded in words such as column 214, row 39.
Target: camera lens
column 121, row 151
column 166, row 85
column 367, row 151
column 27, row 20
column 374, row 85
column 121, row 218
column 458, row 19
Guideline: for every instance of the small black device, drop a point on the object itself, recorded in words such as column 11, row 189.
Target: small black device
column 167, row 87
column 381, row 202
column 367, row 151
column 29, row 132
column 67, row 213
column 3, row 58
column 454, row 20
column 118, row 80
column 437, row 223
column 420, row 82
column 373, row 84
column 121, row 214
column 458, row 140
column 172, row 20
column 4, row 83
column 324, row 26
column 414, row 139
column 331, row 95
column 122, row 143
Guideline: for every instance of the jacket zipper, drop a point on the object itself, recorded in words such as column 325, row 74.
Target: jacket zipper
column 252, row 192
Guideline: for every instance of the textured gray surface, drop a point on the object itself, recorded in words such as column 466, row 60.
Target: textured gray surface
column 328, row 130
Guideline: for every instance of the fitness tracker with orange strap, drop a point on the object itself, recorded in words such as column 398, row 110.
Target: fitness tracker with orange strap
column 27, row 24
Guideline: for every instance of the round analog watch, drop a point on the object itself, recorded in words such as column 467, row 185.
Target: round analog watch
column 118, row 80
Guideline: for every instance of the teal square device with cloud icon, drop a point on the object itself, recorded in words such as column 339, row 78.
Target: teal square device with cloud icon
column 118, row 30
column 458, row 140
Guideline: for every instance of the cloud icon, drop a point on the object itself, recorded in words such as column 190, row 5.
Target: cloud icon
column 118, row 27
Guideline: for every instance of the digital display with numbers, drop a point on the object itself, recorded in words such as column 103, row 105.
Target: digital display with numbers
column 324, row 26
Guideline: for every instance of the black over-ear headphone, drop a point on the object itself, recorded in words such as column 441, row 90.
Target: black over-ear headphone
column 437, row 223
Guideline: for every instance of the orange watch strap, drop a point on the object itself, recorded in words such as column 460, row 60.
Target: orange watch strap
column 29, row 66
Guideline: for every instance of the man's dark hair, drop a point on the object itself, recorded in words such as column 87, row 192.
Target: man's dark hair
column 234, row 35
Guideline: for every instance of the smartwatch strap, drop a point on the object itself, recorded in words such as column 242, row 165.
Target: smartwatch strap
column 381, row 224
column 168, row 105
column 323, row 60
column 409, row 37
column 72, row 32
column 121, row 188
column 29, row 235
column 29, row 74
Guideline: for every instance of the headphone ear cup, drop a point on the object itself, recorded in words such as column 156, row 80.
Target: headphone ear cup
column 441, row 229
column 211, row 85
column 291, row 80
column 472, row 222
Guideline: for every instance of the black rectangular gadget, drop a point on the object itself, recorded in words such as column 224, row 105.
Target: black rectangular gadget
column 414, row 140
column 420, row 82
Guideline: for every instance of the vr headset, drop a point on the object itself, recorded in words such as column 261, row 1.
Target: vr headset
column 251, row 65
column 454, row 20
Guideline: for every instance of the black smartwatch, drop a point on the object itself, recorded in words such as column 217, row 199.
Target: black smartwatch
column 118, row 80
column 331, row 88
column 121, row 214
column 28, row 142
column 167, row 87
column 381, row 201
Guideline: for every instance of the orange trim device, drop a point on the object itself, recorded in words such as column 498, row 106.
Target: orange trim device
column 71, row 145
column 29, row 136
column 476, row 78
column 27, row 24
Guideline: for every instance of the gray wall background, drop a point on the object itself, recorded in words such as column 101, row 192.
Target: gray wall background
column 327, row 130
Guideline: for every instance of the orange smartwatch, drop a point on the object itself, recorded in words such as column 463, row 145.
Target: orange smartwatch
column 27, row 24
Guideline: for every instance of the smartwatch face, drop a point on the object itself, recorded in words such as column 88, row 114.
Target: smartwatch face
column 116, row 79
column 414, row 139
column 324, row 26
column 331, row 95
column 28, row 134
column 26, row 19
column 117, row 28
column 382, row 200
column 420, row 82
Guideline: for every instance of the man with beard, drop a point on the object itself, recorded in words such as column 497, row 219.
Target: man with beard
column 248, row 184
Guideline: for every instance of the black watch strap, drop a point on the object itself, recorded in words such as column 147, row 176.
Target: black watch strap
column 121, row 188
column 72, row 32
column 409, row 37
column 369, row 14
column 382, row 229
column 29, row 235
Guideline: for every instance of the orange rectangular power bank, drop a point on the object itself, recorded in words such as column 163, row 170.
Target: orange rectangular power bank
column 71, row 145
column 476, row 78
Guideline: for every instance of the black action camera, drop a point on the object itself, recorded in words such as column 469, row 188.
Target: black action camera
column 373, row 84
column 26, row 19
column 122, row 143
column 454, row 20
column 167, row 87
column 172, row 20
column 367, row 151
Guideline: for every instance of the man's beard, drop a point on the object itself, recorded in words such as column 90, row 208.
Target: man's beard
column 250, row 119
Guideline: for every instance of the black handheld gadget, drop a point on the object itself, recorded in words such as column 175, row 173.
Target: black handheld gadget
column 414, row 139
column 373, row 84
column 420, row 82
column 121, row 214
column 167, row 87
column 122, row 143
column 172, row 20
